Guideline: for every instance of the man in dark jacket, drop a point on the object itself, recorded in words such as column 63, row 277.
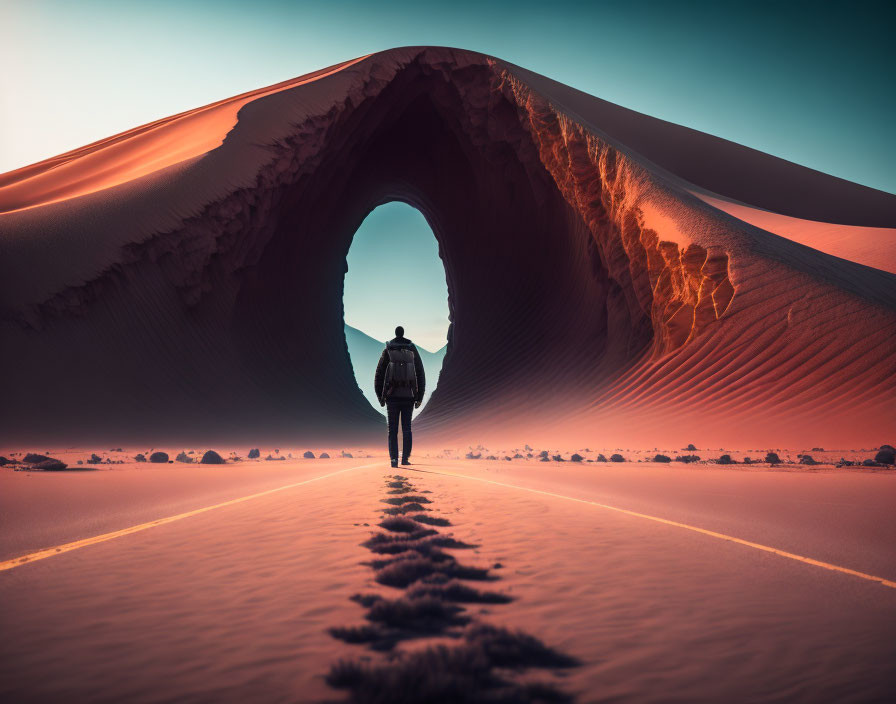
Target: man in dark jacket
column 399, row 384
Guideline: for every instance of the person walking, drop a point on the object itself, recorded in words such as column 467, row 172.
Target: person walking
column 399, row 383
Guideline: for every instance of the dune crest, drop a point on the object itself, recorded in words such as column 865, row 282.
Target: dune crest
column 135, row 153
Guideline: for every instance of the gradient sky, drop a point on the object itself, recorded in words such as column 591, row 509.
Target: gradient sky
column 810, row 82
column 395, row 277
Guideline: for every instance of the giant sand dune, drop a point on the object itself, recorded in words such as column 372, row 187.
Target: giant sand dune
column 611, row 276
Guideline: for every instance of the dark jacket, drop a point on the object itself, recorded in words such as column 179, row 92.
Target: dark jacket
column 380, row 376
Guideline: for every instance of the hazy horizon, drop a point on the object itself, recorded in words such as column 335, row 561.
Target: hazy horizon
column 395, row 277
column 384, row 341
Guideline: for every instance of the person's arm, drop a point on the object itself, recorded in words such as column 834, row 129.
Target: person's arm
column 421, row 375
column 379, row 377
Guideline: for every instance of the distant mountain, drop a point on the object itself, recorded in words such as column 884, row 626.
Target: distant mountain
column 365, row 353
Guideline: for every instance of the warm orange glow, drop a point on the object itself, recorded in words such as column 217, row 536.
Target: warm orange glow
column 871, row 246
column 135, row 153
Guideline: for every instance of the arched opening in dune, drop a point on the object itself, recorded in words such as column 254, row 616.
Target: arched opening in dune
column 547, row 295
column 394, row 277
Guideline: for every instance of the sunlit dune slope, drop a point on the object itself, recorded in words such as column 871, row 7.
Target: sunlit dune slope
column 135, row 153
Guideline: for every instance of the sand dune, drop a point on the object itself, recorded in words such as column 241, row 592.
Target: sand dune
column 871, row 246
column 165, row 282
column 135, row 153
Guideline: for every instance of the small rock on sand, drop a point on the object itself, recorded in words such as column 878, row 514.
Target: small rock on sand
column 211, row 457
column 51, row 465
column 309, row 455
column 184, row 457
column 158, row 457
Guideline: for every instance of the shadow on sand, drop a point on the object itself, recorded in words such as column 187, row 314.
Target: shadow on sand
column 478, row 662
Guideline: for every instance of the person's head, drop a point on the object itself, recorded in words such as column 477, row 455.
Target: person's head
column 399, row 331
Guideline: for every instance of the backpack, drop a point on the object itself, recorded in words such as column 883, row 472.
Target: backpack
column 401, row 374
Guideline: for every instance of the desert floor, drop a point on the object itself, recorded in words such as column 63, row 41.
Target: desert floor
column 617, row 595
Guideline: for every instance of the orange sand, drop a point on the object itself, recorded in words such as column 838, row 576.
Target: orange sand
column 135, row 153
column 871, row 246
column 234, row 604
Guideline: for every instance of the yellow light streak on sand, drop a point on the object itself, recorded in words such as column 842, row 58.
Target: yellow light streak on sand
column 68, row 547
column 666, row 521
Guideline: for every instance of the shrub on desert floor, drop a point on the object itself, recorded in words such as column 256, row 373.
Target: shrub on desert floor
column 691, row 448
column 51, row 465
column 806, row 459
column 576, row 457
column 725, row 459
column 140, row 457
column 662, row 458
column 558, row 458
column 601, row 458
column 473, row 455
column 617, row 458
column 211, row 457
column 254, row 453
column 772, row 458
column 886, row 455
column 687, row 458
column 158, row 457
column 184, row 457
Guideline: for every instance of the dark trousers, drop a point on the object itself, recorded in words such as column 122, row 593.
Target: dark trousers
column 402, row 410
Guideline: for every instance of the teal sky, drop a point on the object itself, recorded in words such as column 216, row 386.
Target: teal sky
column 810, row 82
column 395, row 277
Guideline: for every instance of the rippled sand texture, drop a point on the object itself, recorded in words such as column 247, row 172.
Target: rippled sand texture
column 280, row 597
column 184, row 279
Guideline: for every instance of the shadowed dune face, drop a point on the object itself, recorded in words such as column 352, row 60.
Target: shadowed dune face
column 581, row 283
